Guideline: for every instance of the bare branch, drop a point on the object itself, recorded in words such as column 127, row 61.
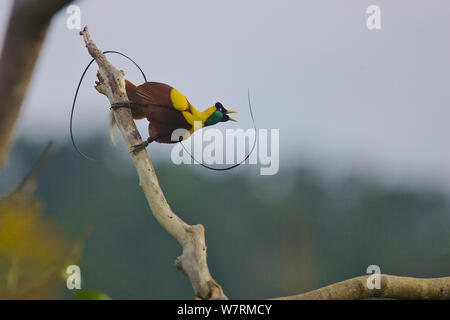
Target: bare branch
column 391, row 287
column 191, row 238
column 27, row 28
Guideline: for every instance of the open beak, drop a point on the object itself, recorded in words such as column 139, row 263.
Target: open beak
column 231, row 111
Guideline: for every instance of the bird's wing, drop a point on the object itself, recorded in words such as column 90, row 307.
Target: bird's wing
column 161, row 94
column 156, row 102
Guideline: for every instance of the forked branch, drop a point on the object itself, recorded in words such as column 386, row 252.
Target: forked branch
column 191, row 238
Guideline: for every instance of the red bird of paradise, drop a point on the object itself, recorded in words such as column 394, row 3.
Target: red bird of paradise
column 167, row 110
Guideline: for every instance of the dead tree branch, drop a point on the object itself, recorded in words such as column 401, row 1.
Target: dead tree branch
column 393, row 287
column 191, row 238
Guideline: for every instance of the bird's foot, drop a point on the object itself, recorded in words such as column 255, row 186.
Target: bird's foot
column 121, row 104
column 139, row 147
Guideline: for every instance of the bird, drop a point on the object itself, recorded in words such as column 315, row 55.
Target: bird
column 167, row 110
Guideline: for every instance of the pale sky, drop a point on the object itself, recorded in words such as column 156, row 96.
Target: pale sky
column 343, row 97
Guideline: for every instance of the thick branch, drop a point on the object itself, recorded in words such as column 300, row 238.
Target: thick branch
column 192, row 238
column 27, row 28
column 391, row 287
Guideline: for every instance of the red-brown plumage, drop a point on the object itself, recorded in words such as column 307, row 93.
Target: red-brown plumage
column 152, row 101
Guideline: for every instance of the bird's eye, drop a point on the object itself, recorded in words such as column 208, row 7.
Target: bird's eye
column 219, row 106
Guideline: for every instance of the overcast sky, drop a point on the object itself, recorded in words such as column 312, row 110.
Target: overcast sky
column 342, row 96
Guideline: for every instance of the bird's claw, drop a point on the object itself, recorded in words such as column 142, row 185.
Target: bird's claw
column 139, row 147
column 121, row 104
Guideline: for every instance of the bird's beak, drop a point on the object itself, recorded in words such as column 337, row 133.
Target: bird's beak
column 231, row 111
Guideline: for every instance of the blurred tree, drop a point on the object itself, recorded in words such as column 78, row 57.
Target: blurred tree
column 33, row 250
column 27, row 27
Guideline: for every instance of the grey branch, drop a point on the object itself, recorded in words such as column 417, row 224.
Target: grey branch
column 191, row 238
column 393, row 287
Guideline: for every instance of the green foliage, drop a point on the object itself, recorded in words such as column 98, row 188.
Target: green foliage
column 90, row 295
column 272, row 236
column 32, row 249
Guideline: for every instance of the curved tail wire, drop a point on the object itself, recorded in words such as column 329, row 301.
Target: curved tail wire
column 145, row 80
column 242, row 161
column 76, row 95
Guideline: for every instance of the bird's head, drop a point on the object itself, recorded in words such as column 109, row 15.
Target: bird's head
column 220, row 114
